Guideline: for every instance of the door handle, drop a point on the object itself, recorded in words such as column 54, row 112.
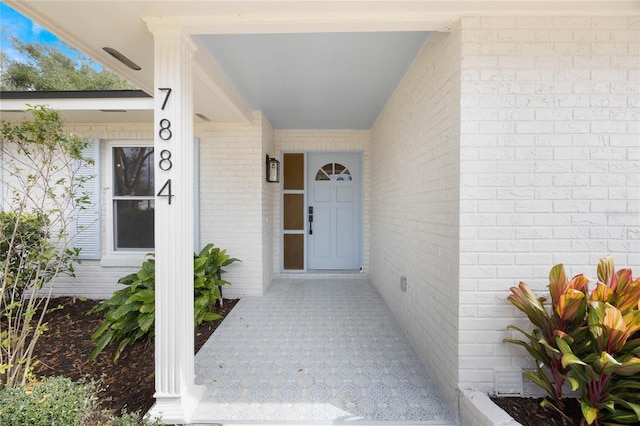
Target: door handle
column 310, row 220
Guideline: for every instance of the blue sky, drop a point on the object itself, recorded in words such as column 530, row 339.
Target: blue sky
column 13, row 23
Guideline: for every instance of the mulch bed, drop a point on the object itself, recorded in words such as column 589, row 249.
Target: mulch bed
column 65, row 348
column 528, row 412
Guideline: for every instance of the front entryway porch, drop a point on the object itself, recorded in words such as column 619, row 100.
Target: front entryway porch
column 315, row 351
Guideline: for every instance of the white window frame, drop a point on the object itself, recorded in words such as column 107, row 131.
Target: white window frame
column 112, row 256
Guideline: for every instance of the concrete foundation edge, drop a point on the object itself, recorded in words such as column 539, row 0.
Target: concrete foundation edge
column 477, row 409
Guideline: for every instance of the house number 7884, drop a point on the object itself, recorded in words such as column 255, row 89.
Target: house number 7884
column 165, row 164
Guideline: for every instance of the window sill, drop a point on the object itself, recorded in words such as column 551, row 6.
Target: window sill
column 131, row 259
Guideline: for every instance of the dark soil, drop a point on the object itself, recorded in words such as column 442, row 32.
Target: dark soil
column 528, row 411
column 64, row 351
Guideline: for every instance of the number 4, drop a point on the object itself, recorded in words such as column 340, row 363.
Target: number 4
column 165, row 191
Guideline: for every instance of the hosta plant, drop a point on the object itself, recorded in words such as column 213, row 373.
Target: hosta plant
column 130, row 312
column 593, row 343
column 208, row 282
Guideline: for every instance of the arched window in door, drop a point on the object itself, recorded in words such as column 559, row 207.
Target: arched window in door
column 333, row 171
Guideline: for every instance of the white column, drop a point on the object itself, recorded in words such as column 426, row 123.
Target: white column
column 176, row 394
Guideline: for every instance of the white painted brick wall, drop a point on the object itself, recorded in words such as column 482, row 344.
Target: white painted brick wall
column 414, row 206
column 232, row 175
column 270, row 201
column 549, row 166
column 93, row 279
column 232, row 214
column 325, row 140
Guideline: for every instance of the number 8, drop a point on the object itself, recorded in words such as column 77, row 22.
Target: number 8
column 165, row 131
column 165, row 160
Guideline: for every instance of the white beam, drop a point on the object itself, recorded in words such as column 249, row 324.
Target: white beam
column 93, row 104
column 277, row 17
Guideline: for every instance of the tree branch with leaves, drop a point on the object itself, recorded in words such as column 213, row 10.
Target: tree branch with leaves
column 47, row 68
column 42, row 189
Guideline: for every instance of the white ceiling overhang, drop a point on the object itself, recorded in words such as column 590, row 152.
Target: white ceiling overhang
column 124, row 25
column 82, row 107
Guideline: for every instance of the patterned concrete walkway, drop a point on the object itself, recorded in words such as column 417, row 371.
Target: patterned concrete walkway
column 315, row 351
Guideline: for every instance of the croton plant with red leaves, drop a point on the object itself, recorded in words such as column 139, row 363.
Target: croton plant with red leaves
column 591, row 340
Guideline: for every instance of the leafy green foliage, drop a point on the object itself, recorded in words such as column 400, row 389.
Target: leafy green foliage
column 41, row 165
column 55, row 401
column 47, row 68
column 561, row 321
column 207, row 281
column 24, row 234
column 594, row 343
column 609, row 374
column 60, row 401
column 130, row 312
column 27, row 256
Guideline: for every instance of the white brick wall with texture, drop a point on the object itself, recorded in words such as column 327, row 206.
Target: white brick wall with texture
column 414, row 206
column 94, row 279
column 550, row 166
column 232, row 167
column 232, row 215
column 270, row 197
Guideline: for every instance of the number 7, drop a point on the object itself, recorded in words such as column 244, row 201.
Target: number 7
column 166, row 98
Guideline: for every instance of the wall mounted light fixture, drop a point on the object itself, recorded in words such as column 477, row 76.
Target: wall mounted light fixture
column 273, row 169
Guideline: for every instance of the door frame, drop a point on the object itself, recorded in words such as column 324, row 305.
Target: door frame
column 281, row 232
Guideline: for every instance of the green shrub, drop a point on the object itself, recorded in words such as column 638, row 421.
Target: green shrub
column 59, row 401
column 44, row 191
column 592, row 342
column 55, row 401
column 21, row 238
column 130, row 312
column 27, row 257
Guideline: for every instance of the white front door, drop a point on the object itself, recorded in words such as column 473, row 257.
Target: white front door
column 334, row 211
